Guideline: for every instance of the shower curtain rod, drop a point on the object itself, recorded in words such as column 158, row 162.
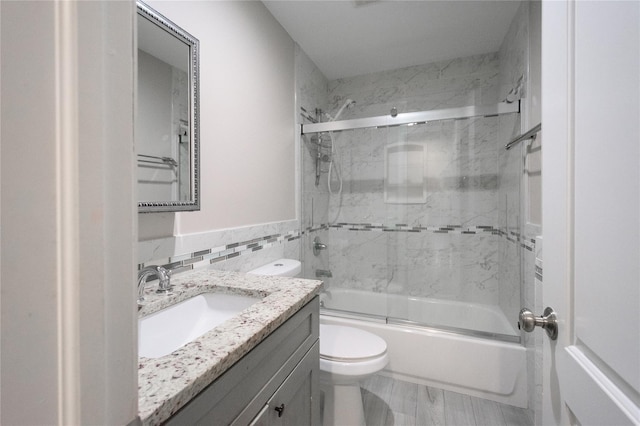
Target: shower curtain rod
column 412, row 117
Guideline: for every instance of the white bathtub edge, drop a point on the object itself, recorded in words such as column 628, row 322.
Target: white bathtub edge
column 478, row 367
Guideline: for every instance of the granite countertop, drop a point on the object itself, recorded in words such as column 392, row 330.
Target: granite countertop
column 166, row 384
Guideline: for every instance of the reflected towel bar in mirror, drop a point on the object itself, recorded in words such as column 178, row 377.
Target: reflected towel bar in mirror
column 152, row 159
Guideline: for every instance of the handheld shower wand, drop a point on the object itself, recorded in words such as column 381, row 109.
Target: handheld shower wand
column 347, row 104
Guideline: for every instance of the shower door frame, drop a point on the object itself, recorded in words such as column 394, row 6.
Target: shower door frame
column 420, row 117
column 412, row 117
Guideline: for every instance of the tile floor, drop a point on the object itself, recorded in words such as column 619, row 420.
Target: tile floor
column 390, row 402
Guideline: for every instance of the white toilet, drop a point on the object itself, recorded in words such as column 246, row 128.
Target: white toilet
column 347, row 356
column 280, row 267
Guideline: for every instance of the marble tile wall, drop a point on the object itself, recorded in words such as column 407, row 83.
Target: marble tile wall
column 519, row 266
column 311, row 95
column 429, row 263
column 461, row 177
column 445, row 84
column 460, row 174
column 509, row 217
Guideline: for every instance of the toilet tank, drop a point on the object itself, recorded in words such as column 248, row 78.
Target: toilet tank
column 280, row 267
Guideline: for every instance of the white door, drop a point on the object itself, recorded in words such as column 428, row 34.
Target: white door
column 591, row 211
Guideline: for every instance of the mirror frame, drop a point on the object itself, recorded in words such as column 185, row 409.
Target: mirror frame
column 167, row 25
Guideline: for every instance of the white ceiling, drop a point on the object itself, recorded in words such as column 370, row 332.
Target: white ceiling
column 352, row 37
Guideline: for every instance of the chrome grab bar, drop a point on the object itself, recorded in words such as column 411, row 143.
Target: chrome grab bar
column 531, row 134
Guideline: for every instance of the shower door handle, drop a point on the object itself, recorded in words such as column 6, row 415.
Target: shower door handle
column 527, row 321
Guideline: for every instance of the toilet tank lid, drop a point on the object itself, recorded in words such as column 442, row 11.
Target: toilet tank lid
column 280, row 267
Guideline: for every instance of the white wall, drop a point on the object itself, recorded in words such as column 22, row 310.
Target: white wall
column 247, row 118
column 67, row 215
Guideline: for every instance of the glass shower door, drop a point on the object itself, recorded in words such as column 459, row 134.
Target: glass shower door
column 420, row 223
column 450, row 263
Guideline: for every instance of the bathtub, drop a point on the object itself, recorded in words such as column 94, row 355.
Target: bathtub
column 476, row 366
column 485, row 320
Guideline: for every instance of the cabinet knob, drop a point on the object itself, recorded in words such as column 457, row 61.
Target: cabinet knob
column 280, row 410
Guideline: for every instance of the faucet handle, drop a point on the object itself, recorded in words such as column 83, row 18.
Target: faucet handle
column 164, row 280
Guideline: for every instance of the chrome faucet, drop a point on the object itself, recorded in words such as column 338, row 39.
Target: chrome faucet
column 164, row 280
column 317, row 246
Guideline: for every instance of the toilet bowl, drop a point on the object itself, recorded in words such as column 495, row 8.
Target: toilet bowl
column 347, row 356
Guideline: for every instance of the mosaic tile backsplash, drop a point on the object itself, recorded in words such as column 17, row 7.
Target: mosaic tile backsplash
column 224, row 253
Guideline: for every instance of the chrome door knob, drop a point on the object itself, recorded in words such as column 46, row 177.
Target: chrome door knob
column 527, row 321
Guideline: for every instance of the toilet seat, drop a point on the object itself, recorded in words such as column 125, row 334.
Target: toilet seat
column 348, row 344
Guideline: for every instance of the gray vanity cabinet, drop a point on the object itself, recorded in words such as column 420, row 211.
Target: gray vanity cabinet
column 276, row 383
column 290, row 406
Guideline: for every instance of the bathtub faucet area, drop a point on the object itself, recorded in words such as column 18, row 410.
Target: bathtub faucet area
column 323, row 273
column 317, row 246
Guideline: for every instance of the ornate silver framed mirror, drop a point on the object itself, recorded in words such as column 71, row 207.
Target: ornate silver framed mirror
column 167, row 119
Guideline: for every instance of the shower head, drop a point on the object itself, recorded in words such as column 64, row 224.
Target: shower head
column 349, row 103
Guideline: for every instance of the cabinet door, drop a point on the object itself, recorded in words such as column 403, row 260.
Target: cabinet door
column 262, row 419
column 296, row 402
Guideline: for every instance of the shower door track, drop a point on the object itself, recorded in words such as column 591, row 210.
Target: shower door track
column 436, row 328
column 412, row 118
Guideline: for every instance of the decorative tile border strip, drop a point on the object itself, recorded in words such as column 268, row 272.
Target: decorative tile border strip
column 403, row 227
column 202, row 258
column 538, row 273
column 511, row 236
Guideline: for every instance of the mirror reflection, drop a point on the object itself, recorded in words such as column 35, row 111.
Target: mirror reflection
column 166, row 121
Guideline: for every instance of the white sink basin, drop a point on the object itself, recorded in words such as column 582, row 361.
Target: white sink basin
column 167, row 330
